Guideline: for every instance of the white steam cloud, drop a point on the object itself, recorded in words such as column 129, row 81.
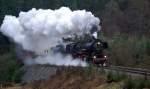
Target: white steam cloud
column 39, row 30
column 55, row 60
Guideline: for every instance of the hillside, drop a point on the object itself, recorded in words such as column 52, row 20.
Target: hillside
column 66, row 78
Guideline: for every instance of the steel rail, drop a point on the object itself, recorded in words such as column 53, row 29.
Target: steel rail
column 139, row 71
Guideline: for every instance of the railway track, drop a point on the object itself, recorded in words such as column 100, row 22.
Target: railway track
column 40, row 72
column 131, row 71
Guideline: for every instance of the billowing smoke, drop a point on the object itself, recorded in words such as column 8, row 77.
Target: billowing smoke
column 39, row 30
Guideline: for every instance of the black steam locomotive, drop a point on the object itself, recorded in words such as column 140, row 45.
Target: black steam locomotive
column 91, row 51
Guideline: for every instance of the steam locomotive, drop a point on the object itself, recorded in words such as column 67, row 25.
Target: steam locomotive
column 92, row 51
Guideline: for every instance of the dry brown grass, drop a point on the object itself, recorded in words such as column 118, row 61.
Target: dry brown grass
column 73, row 79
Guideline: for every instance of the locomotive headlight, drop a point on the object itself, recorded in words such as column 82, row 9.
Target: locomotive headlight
column 94, row 56
column 98, row 43
column 105, row 56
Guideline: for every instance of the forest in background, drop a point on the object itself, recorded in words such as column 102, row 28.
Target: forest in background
column 117, row 16
column 125, row 25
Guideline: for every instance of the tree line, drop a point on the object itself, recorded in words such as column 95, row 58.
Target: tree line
column 118, row 17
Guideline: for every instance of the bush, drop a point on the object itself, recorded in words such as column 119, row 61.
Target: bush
column 115, row 76
column 130, row 83
column 147, row 83
column 90, row 70
column 110, row 77
column 8, row 68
